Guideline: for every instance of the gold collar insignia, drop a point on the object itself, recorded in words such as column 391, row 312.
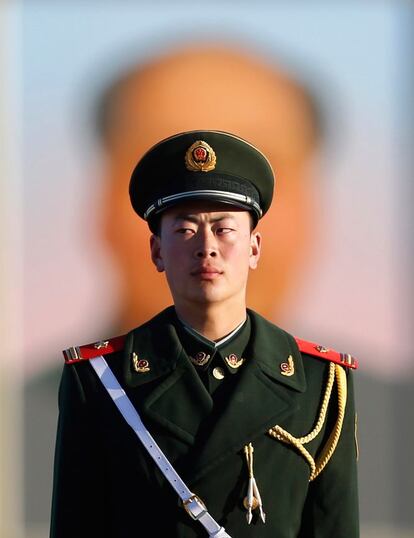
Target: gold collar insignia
column 140, row 365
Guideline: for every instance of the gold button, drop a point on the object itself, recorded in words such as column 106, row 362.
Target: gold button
column 218, row 372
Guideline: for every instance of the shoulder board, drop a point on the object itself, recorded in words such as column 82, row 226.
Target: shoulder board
column 90, row 351
column 310, row 348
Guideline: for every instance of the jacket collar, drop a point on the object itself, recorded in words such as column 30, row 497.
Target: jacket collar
column 205, row 351
column 180, row 403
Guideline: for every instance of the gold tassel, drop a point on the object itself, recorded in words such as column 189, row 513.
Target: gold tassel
column 253, row 499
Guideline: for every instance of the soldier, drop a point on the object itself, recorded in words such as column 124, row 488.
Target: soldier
column 284, row 119
column 246, row 431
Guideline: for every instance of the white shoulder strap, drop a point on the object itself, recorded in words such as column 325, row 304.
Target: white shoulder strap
column 191, row 502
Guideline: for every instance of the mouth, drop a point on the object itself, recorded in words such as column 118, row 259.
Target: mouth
column 207, row 272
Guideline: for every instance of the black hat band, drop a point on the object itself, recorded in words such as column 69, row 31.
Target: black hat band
column 241, row 200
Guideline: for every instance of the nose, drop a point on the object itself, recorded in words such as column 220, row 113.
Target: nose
column 206, row 253
column 206, row 247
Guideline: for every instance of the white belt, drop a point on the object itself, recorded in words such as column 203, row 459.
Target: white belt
column 193, row 505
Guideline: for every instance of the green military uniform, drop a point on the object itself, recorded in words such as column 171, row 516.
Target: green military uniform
column 259, row 404
column 106, row 485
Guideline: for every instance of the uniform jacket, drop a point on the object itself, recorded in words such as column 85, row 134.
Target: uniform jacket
column 107, row 486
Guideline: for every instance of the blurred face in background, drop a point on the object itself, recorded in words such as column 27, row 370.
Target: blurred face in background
column 209, row 88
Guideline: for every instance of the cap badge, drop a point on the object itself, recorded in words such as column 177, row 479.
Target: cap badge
column 140, row 365
column 200, row 157
column 287, row 368
column 233, row 360
column 321, row 349
column 200, row 359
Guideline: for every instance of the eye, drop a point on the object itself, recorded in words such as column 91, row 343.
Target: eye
column 185, row 231
column 223, row 230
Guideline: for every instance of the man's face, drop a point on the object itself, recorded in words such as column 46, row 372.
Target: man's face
column 206, row 251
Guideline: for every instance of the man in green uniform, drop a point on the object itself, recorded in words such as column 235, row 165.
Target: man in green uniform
column 258, row 424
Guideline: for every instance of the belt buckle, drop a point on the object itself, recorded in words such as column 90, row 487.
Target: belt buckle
column 194, row 507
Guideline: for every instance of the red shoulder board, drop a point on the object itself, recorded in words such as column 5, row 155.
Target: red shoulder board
column 344, row 359
column 90, row 351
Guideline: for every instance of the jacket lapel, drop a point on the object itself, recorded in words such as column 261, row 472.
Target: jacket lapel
column 172, row 395
column 178, row 400
column 263, row 396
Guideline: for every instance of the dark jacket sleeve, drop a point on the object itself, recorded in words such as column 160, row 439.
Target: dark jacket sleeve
column 77, row 506
column 331, row 508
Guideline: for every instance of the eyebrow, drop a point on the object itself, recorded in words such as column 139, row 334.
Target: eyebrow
column 193, row 218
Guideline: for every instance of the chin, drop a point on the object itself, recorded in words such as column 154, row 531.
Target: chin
column 210, row 297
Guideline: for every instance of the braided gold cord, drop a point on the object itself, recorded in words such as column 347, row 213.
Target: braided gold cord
column 333, row 439
column 322, row 414
column 282, row 435
column 324, row 407
column 335, row 371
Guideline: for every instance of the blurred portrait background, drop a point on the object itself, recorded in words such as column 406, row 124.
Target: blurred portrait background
column 323, row 89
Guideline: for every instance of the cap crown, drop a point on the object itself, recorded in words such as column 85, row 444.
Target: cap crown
column 212, row 165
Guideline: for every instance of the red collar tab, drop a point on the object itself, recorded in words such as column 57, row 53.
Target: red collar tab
column 310, row 348
column 90, row 351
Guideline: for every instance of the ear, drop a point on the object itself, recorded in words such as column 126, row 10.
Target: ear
column 155, row 245
column 255, row 246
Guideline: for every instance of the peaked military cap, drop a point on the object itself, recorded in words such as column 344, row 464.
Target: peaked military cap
column 202, row 165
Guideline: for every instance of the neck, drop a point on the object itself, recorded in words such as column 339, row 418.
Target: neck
column 213, row 321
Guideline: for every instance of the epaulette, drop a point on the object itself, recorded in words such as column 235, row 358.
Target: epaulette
column 344, row 359
column 90, row 351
